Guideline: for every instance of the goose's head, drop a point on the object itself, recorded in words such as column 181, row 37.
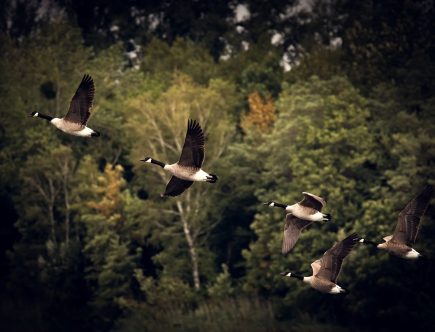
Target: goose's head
column 34, row 114
column 146, row 160
column 270, row 203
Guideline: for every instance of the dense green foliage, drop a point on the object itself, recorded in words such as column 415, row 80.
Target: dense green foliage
column 88, row 243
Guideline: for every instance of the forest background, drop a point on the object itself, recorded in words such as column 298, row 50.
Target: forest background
column 331, row 97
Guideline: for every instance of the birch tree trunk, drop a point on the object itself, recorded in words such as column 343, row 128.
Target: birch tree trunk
column 192, row 246
column 193, row 254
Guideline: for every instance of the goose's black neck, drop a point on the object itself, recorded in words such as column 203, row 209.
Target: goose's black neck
column 156, row 162
column 282, row 206
column 297, row 276
column 372, row 243
column 45, row 117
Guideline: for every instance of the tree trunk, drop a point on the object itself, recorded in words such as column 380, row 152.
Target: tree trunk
column 192, row 248
column 193, row 255
column 67, row 211
column 52, row 195
column 65, row 181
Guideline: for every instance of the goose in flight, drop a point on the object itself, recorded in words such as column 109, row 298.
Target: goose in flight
column 327, row 268
column 75, row 121
column 308, row 209
column 188, row 169
column 401, row 241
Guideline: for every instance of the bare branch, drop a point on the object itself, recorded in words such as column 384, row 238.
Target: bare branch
column 38, row 188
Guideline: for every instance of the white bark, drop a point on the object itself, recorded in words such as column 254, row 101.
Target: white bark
column 192, row 247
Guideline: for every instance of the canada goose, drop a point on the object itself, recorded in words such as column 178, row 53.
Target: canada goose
column 74, row 122
column 327, row 268
column 405, row 234
column 307, row 209
column 188, row 168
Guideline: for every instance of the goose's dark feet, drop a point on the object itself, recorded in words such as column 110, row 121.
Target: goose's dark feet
column 212, row 178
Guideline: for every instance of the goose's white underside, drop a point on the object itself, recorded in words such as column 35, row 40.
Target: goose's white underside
column 298, row 212
column 309, row 280
column 412, row 254
column 318, row 216
column 179, row 172
column 336, row 290
column 72, row 128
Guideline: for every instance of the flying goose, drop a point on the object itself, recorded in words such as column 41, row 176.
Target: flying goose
column 405, row 234
column 188, row 168
column 307, row 209
column 327, row 268
column 74, row 122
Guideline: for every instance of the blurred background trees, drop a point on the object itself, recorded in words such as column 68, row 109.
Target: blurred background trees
column 332, row 97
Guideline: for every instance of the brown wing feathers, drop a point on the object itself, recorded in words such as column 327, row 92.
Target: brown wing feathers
column 312, row 201
column 193, row 150
column 333, row 258
column 409, row 218
column 81, row 103
column 176, row 186
column 292, row 229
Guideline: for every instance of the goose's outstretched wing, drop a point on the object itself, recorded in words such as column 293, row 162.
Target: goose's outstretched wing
column 313, row 201
column 292, row 230
column 330, row 263
column 409, row 218
column 176, row 186
column 192, row 154
column 81, row 103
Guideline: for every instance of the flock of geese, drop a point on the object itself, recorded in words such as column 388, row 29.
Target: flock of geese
column 327, row 268
column 188, row 169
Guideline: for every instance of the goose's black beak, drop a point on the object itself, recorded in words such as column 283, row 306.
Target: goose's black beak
column 283, row 273
column 267, row 203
